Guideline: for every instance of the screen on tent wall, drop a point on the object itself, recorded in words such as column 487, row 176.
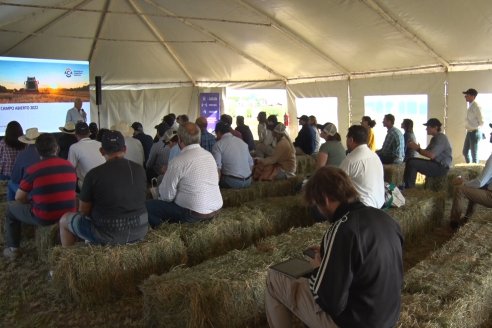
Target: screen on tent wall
column 39, row 92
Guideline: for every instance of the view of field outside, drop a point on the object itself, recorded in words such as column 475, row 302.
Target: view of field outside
column 413, row 107
column 249, row 102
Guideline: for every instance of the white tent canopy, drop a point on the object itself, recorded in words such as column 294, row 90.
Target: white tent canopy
column 343, row 48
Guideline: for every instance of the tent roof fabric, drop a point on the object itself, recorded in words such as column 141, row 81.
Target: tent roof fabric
column 219, row 41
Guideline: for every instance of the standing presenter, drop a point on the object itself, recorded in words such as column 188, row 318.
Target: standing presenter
column 77, row 113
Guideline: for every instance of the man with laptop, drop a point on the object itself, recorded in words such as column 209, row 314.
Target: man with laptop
column 358, row 270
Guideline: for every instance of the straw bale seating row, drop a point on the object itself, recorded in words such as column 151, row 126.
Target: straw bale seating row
column 445, row 183
column 93, row 274
column 453, row 287
column 260, row 190
column 228, row 291
column 305, row 164
column 393, row 173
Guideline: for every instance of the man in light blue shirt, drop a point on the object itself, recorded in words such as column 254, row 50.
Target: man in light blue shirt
column 232, row 157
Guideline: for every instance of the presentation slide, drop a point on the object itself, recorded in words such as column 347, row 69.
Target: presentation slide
column 39, row 92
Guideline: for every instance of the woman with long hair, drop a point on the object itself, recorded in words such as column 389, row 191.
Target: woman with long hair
column 368, row 123
column 407, row 126
column 10, row 146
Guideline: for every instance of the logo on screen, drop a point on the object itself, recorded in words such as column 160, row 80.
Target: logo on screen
column 68, row 72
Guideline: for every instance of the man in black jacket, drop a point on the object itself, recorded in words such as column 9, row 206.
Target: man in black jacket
column 358, row 277
column 305, row 141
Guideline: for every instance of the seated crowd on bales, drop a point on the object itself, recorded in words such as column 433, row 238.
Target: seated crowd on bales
column 99, row 178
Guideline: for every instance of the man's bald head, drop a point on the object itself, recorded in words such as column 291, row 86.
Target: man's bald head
column 189, row 133
column 202, row 122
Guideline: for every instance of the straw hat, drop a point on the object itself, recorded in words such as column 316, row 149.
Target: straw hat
column 69, row 128
column 30, row 136
column 125, row 129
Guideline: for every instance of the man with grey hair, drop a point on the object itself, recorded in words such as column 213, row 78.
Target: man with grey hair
column 189, row 191
column 77, row 113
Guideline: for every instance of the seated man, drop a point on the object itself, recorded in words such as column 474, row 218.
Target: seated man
column 207, row 139
column 364, row 168
column 84, row 155
column 146, row 140
column 245, row 132
column 46, row 192
column 438, row 151
column 189, row 191
column 358, row 272
column 476, row 191
column 305, row 141
column 393, row 150
column 233, row 159
column 26, row 158
column 112, row 200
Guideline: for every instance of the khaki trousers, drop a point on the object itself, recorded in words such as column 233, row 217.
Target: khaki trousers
column 474, row 196
column 286, row 296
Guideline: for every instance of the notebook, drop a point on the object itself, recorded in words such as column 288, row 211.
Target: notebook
column 294, row 268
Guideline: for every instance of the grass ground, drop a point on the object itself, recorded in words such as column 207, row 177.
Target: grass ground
column 27, row 299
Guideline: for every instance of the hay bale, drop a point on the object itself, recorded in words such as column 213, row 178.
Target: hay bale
column 393, row 173
column 98, row 274
column 261, row 189
column 227, row 291
column 45, row 238
column 3, row 190
column 236, row 228
column 445, row 183
column 457, row 277
column 306, row 164
column 423, row 210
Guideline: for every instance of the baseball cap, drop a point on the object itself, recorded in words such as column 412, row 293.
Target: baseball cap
column 330, row 129
column 433, row 122
column 113, row 141
column 304, row 118
column 169, row 134
column 222, row 127
column 471, row 92
column 137, row 126
column 81, row 128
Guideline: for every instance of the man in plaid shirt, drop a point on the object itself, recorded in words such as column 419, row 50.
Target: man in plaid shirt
column 393, row 150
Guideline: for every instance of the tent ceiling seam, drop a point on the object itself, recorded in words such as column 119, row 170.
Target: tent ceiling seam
column 297, row 38
column 219, row 40
column 45, row 26
column 99, row 28
column 382, row 12
column 158, row 35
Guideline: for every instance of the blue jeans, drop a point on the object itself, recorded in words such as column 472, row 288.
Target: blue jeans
column 423, row 166
column 234, row 183
column 160, row 211
column 11, row 190
column 471, row 146
column 18, row 213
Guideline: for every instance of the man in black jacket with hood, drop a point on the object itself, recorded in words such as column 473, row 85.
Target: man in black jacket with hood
column 359, row 272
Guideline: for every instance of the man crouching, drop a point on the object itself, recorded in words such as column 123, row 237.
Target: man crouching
column 112, row 200
column 359, row 272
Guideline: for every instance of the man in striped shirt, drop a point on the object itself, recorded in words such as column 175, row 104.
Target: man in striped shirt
column 45, row 193
column 358, row 267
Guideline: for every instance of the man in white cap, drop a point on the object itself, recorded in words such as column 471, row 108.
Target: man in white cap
column 77, row 113
column 24, row 159
column 473, row 123
column 84, row 155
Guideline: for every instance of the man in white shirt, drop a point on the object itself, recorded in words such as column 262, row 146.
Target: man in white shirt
column 364, row 168
column 476, row 191
column 189, row 191
column 232, row 157
column 474, row 122
column 77, row 113
column 134, row 148
column 85, row 154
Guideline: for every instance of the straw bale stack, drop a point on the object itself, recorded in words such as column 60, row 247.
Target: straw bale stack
column 393, row 173
column 97, row 274
column 305, row 164
column 227, row 291
column 3, row 190
column 453, row 287
column 445, row 183
column 45, row 238
column 422, row 211
column 261, row 189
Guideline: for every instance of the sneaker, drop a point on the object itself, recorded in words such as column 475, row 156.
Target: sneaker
column 11, row 253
